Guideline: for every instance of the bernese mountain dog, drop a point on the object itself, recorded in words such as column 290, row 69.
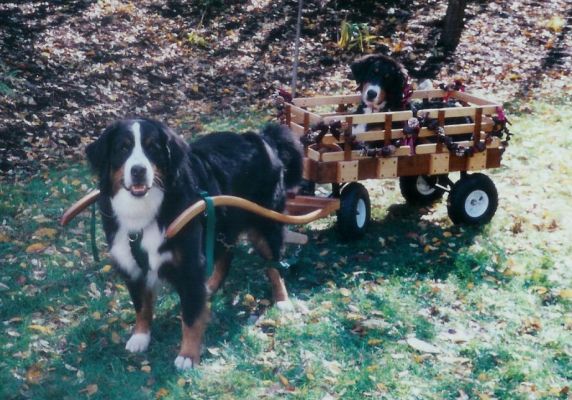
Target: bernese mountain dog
column 383, row 83
column 148, row 176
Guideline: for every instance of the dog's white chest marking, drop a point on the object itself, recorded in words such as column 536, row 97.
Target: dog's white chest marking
column 152, row 239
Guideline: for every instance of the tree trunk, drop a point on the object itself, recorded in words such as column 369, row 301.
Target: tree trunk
column 454, row 22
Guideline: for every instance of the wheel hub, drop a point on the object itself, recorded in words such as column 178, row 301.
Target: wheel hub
column 360, row 213
column 477, row 203
column 424, row 187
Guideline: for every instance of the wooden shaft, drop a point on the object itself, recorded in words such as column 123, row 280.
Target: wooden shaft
column 78, row 207
column 230, row 201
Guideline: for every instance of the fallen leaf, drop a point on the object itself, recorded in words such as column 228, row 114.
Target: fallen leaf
column 115, row 338
column 106, row 268
column 422, row 346
column 49, row 233
column 36, row 248
column 41, row 329
column 34, row 374
column 283, row 380
column 146, row 368
column 161, row 393
column 565, row 294
column 556, row 23
column 345, row 292
column 90, row 390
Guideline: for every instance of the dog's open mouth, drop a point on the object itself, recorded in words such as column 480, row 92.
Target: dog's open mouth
column 138, row 190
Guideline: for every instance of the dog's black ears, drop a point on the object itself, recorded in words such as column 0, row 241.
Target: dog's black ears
column 387, row 67
column 177, row 148
column 359, row 68
column 98, row 152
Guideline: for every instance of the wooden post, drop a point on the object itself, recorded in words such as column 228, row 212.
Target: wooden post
column 478, row 123
column 441, row 120
column 347, row 144
column 288, row 115
column 387, row 134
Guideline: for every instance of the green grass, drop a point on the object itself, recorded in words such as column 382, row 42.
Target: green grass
column 495, row 300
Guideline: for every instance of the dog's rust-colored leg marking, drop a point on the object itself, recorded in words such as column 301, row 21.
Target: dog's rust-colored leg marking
column 144, row 316
column 193, row 337
column 279, row 292
column 221, row 267
column 260, row 245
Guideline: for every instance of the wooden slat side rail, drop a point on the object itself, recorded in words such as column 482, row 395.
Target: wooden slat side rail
column 230, row 201
column 297, row 129
column 325, row 100
column 374, row 117
column 428, row 94
column 298, row 115
column 78, row 207
column 452, row 130
column 458, row 111
column 472, row 99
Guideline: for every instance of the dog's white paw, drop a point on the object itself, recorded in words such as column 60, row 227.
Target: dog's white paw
column 138, row 342
column 183, row 363
column 285, row 305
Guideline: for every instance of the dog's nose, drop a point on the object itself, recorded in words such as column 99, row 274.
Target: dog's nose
column 371, row 94
column 138, row 173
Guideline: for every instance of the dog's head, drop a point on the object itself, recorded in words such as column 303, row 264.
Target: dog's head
column 381, row 81
column 136, row 155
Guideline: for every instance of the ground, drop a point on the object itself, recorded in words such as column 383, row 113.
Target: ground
column 418, row 309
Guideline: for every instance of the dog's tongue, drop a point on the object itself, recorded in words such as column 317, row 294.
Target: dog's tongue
column 138, row 190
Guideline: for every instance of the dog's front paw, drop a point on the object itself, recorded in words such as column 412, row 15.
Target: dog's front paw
column 138, row 342
column 285, row 305
column 183, row 363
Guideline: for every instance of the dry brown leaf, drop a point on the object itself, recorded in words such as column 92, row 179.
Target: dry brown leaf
column 49, row 233
column 36, row 248
column 41, row 329
column 34, row 374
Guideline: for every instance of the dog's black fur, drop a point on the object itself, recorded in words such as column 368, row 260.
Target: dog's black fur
column 258, row 167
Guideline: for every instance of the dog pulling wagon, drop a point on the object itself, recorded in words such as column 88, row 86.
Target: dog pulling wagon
column 420, row 160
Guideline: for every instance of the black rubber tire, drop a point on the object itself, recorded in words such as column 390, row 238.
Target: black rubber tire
column 354, row 201
column 413, row 194
column 473, row 200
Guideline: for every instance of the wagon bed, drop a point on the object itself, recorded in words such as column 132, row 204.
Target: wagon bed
column 422, row 168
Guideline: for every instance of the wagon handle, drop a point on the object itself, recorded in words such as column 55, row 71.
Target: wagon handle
column 78, row 207
column 199, row 207
column 231, row 201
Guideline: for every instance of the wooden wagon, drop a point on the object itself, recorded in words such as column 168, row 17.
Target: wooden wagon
column 464, row 139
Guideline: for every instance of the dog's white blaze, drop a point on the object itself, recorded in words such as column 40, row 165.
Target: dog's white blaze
column 137, row 157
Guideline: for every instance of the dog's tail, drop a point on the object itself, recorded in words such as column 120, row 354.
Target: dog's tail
column 289, row 151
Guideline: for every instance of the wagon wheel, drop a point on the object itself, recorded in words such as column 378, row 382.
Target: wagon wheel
column 421, row 190
column 473, row 200
column 355, row 211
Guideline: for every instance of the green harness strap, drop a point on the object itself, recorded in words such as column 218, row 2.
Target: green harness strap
column 210, row 215
column 93, row 242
